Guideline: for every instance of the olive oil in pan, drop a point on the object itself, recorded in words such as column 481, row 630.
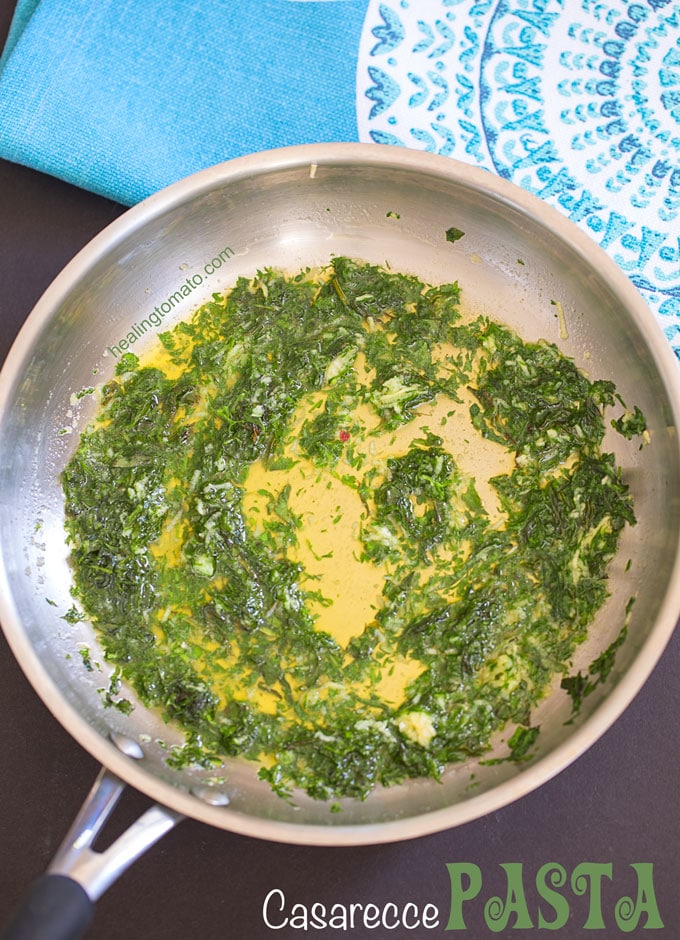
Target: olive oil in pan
column 342, row 532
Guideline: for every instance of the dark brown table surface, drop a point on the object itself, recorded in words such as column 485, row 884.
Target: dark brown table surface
column 616, row 804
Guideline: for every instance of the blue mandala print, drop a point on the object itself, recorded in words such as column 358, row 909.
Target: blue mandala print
column 578, row 103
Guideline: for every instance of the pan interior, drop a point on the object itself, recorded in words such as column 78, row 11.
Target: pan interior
column 162, row 260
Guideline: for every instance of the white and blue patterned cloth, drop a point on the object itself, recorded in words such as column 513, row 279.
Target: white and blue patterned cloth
column 577, row 102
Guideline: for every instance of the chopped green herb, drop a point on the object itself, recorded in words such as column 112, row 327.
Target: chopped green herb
column 521, row 742
column 196, row 578
column 580, row 685
column 631, row 423
column 86, row 657
column 453, row 234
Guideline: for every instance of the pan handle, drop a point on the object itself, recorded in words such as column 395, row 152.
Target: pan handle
column 60, row 904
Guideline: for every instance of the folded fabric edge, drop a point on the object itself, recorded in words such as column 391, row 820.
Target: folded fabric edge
column 49, row 172
column 23, row 12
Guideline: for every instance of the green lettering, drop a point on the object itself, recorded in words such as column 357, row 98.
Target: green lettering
column 497, row 914
column 552, row 874
column 628, row 912
column 587, row 878
column 472, row 875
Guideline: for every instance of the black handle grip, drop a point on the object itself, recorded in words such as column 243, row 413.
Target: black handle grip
column 55, row 908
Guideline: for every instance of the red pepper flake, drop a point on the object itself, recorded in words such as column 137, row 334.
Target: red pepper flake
column 344, row 436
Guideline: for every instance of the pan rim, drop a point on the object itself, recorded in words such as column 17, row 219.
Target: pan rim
column 338, row 834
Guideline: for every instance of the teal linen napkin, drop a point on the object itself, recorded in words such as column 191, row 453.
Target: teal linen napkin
column 125, row 96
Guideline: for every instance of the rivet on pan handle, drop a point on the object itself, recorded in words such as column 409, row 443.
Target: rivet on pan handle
column 60, row 904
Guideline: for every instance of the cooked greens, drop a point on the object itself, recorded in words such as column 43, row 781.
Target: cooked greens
column 202, row 584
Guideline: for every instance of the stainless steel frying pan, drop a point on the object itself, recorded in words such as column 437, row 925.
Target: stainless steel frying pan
column 519, row 260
